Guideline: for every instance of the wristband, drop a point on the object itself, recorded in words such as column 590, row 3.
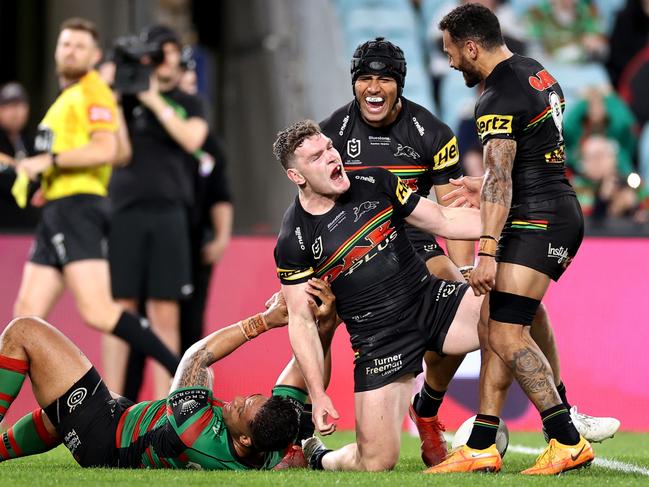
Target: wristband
column 488, row 246
column 253, row 326
column 465, row 270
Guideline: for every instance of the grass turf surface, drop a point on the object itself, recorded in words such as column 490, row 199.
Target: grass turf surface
column 57, row 468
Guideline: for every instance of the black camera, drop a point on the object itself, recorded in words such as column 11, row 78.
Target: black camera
column 134, row 62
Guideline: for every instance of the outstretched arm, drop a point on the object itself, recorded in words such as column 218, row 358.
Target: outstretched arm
column 451, row 223
column 193, row 369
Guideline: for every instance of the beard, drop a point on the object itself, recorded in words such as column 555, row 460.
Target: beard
column 71, row 73
column 471, row 76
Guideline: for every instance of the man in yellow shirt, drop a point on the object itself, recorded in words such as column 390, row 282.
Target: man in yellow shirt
column 78, row 143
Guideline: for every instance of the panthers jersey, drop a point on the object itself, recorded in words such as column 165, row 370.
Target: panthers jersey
column 186, row 430
column 523, row 102
column 417, row 146
column 360, row 246
column 82, row 108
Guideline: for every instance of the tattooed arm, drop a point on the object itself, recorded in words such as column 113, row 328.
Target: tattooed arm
column 194, row 366
column 495, row 200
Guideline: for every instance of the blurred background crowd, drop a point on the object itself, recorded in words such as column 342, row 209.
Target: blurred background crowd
column 260, row 65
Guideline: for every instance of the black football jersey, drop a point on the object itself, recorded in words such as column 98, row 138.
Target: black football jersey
column 418, row 147
column 360, row 246
column 522, row 101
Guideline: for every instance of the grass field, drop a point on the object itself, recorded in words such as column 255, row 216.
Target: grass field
column 625, row 451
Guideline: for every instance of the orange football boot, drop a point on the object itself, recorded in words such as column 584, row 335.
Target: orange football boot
column 557, row 458
column 465, row 459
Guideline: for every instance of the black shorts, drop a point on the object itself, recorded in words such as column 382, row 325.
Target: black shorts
column 150, row 253
column 386, row 353
column 543, row 235
column 71, row 229
column 86, row 418
column 424, row 243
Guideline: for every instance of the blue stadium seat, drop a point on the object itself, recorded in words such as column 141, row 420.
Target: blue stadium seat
column 455, row 99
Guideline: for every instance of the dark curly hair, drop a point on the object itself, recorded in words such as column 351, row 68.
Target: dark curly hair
column 275, row 425
column 475, row 22
column 290, row 139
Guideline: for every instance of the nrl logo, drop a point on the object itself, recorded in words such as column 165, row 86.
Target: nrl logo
column 363, row 208
column 354, row 147
column 407, row 151
column 316, row 248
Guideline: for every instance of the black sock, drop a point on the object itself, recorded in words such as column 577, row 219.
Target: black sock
column 483, row 434
column 307, row 428
column 316, row 459
column 137, row 333
column 134, row 375
column 561, row 389
column 428, row 401
column 558, row 425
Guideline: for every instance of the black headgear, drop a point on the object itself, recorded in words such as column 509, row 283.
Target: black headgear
column 379, row 57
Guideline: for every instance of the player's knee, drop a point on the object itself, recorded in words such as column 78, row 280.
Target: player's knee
column 23, row 326
column 377, row 461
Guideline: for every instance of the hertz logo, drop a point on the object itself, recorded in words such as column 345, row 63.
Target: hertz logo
column 494, row 124
column 447, row 156
column 294, row 274
column 403, row 192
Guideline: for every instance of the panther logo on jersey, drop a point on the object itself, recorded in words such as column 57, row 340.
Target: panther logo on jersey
column 363, row 208
column 354, row 147
column 316, row 248
column 406, row 151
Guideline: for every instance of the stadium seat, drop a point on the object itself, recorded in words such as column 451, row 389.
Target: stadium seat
column 455, row 100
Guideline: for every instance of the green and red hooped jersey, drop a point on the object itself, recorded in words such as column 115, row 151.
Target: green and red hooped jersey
column 186, row 430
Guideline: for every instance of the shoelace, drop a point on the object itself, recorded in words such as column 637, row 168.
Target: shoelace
column 546, row 456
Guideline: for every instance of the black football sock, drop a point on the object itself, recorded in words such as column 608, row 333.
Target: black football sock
column 134, row 374
column 558, row 425
column 561, row 389
column 483, row 434
column 136, row 331
column 428, row 401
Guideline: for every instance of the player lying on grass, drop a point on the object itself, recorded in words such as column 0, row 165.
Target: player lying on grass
column 188, row 429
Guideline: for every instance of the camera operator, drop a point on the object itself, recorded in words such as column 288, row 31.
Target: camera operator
column 149, row 242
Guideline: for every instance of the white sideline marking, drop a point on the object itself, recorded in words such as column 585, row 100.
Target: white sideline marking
column 600, row 462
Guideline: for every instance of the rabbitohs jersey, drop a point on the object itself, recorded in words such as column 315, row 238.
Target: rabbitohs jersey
column 417, row 146
column 360, row 246
column 523, row 102
column 187, row 430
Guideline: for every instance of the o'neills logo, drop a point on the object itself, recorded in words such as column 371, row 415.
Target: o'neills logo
column 385, row 365
column 559, row 253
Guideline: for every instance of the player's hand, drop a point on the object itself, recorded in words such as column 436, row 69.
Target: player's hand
column 467, row 192
column 483, row 277
column 33, row 166
column 323, row 411
column 212, row 251
column 322, row 302
column 38, row 199
column 276, row 314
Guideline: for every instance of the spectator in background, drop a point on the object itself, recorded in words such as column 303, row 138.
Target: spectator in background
column 630, row 34
column 16, row 143
column 601, row 188
column 566, row 31
column 150, row 249
column 601, row 112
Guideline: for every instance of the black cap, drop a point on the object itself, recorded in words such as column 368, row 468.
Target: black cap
column 160, row 34
column 379, row 57
column 13, row 92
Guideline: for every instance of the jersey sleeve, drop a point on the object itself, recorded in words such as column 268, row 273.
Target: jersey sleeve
column 496, row 117
column 194, row 107
column 100, row 105
column 189, row 411
column 293, row 256
column 296, row 396
column 403, row 199
column 446, row 156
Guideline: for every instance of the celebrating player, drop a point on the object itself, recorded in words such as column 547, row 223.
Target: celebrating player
column 188, row 429
column 531, row 225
